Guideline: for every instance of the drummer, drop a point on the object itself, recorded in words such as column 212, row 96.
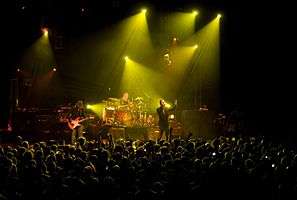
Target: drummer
column 125, row 99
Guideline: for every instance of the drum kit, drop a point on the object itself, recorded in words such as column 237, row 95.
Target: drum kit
column 130, row 114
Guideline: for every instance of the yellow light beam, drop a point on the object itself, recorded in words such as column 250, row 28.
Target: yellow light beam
column 98, row 108
column 181, row 24
column 138, row 79
column 203, row 73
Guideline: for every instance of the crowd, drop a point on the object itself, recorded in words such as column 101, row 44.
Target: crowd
column 223, row 167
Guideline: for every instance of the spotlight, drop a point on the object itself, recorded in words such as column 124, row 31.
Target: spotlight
column 89, row 106
column 18, row 69
column 54, row 69
column 126, row 58
column 45, row 31
column 195, row 46
column 195, row 12
column 219, row 16
column 143, row 10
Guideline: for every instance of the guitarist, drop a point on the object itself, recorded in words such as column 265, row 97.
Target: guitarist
column 75, row 116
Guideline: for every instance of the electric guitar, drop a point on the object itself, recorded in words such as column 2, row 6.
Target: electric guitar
column 72, row 124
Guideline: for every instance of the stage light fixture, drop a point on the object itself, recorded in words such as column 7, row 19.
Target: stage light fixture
column 195, row 46
column 273, row 165
column 54, row 69
column 195, row 12
column 126, row 58
column 219, row 16
column 45, row 31
column 143, row 10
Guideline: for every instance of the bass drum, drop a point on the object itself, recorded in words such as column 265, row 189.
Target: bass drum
column 124, row 118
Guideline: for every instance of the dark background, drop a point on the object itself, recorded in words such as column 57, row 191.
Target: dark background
column 257, row 48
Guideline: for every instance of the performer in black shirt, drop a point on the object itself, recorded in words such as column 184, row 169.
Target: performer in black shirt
column 124, row 99
column 163, row 114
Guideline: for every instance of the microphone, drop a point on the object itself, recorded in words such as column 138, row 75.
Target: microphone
column 108, row 92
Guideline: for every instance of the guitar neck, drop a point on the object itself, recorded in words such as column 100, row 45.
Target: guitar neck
column 87, row 118
column 83, row 119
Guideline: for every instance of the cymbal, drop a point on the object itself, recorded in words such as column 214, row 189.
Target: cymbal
column 123, row 106
column 138, row 98
column 110, row 108
column 113, row 99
